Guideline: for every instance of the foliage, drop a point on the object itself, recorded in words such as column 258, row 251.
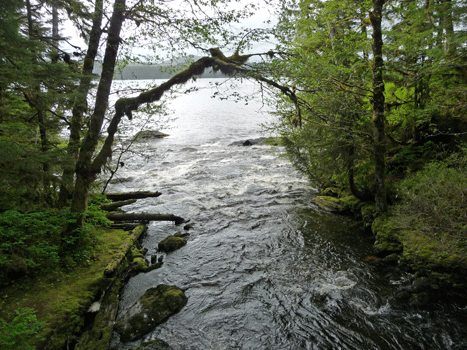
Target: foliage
column 330, row 62
column 434, row 200
column 38, row 239
column 16, row 334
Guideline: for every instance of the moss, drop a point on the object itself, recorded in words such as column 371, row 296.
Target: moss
column 153, row 308
column 387, row 236
column 139, row 264
column 62, row 298
column 171, row 243
column 368, row 211
column 345, row 206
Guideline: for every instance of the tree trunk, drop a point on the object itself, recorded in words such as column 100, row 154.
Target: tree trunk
column 79, row 108
column 379, row 118
column 145, row 217
column 85, row 173
column 132, row 195
column 114, row 206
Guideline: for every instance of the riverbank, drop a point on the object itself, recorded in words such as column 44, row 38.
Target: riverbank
column 66, row 301
column 401, row 243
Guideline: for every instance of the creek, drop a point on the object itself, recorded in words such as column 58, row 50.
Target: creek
column 263, row 268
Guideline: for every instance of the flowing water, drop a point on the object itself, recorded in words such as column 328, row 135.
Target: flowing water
column 263, row 268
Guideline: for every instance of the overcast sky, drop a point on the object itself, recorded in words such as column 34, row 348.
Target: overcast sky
column 257, row 21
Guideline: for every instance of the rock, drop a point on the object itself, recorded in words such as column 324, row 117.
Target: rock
column 387, row 239
column 153, row 258
column 139, row 265
column 251, row 142
column 330, row 192
column 421, row 283
column 171, row 243
column 188, row 226
column 420, row 299
column 152, row 309
column 156, row 344
column 392, row 259
column 149, row 135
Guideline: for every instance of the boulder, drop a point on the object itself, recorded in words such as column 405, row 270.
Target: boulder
column 150, row 135
column 251, row 142
column 152, row 309
column 171, row 243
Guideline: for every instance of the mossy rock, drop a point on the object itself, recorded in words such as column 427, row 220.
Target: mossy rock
column 387, row 236
column 330, row 192
column 152, row 309
column 345, row 206
column 150, row 134
column 139, row 264
column 171, row 243
column 156, row 344
column 368, row 211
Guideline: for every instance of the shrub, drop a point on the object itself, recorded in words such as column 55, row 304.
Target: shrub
column 16, row 334
column 434, row 202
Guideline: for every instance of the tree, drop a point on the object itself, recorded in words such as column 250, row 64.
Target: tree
column 177, row 26
column 368, row 112
column 34, row 93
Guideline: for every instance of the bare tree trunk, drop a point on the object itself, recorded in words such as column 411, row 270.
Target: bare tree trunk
column 85, row 174
column 379, row 118
column 79, row 108
column 145, row 217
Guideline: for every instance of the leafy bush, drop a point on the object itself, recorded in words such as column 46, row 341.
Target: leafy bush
column 16, row 334
column 434, row 201
column 33, row 236
column 37, row 240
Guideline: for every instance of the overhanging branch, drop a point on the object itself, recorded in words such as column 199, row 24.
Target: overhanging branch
column 218, row 61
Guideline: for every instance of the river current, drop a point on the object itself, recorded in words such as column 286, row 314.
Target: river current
column 263, row 268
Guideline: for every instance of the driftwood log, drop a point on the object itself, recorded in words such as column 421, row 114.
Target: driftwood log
column 145, row 217
column 115, row 205
column 132, row 195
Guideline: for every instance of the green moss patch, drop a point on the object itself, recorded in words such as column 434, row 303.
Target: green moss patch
column 171, row 243
column 61, row 298
column 152, row 309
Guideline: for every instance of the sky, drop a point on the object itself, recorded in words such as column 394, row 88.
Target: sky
column 259, row 20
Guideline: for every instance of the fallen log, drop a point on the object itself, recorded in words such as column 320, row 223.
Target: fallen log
column 115, row 205
column 145, row 217
column 132, row 195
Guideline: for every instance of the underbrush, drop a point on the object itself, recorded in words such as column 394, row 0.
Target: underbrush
column 431, row 213
column 35, row 243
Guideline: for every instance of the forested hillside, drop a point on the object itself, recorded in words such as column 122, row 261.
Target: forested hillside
column 381, row 116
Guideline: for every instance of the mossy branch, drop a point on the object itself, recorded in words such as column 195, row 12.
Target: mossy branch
column 218, row 61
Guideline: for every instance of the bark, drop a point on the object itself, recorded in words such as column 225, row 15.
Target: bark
column 132, row 195
column 145, row 217
column 114, row 206
column 379, row 118
column 350, row 171
column 55, row 36
column 85, row 175
column 79, row 108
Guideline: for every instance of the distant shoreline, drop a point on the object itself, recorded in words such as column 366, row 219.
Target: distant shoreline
column 149, row 72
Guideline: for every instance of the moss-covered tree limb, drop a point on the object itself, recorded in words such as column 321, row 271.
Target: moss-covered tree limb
column 218, row 61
